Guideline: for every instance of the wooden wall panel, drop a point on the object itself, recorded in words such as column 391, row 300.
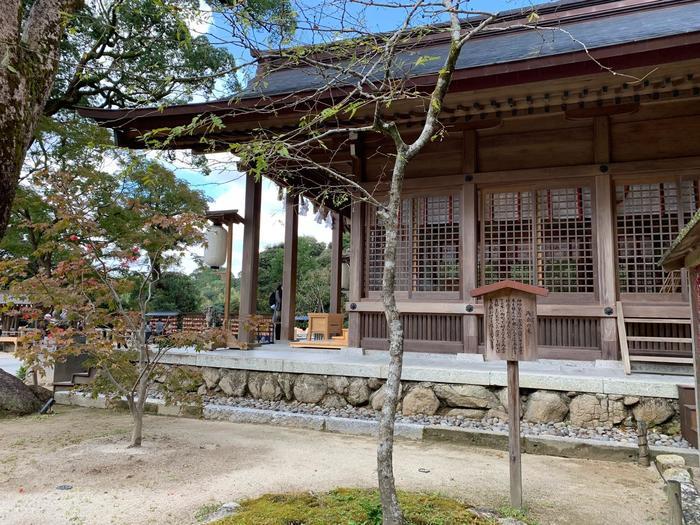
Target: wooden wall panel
column 536, row 149
column 440, row 157
column 656, row 139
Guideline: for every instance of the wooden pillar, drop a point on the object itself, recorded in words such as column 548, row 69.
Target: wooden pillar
column 336, row 263
column 470, row 210
column 357, row 235
column 250, row 255
column 605, row 238
column 693, row 292
column 356, row 271
column 227, row 284
column 289, row 270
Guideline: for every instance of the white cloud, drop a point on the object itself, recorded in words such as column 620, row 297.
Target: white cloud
column 200, row 23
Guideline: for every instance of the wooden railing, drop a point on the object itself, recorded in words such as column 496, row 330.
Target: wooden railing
column 422, row 332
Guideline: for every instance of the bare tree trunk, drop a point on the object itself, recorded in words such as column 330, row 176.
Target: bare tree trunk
column 136, row 406
column 137, row 431
column 391, row 510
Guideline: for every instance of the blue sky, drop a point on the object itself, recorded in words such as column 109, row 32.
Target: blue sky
column 225, row 185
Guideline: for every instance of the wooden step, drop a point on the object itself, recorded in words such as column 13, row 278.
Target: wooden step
column 647, row 320
column 645, row 339
column 661, row 359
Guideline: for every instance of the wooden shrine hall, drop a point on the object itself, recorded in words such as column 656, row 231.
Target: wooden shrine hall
column 552, row 171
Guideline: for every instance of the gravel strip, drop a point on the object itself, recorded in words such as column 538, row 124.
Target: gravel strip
column 620, row 435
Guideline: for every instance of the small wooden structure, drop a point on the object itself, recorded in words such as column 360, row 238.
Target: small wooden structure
column 684, row 253
column 510, row 312
column 325, row 331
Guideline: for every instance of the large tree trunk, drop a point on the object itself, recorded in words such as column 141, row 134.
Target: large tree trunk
column 391, row 510
column 28, row 63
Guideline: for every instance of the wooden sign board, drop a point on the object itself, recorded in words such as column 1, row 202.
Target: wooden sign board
column 510, row 319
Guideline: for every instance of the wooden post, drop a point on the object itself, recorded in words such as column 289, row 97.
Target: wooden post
column 357, row 233
column 469, row 264
column 356, row 272
column 227, row 284
column 250, row 255
column 694, row 292
column 605, row 228
column 336, row 263
column 289, row 270
column 516, row 477
column 470, row 220
column 643, row 444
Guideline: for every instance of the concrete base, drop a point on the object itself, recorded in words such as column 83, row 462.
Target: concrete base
column 605, row 377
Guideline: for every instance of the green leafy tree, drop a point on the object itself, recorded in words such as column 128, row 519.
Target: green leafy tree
column 55, row 54
column 176, row 291
column 210, row 286
column 313, row 275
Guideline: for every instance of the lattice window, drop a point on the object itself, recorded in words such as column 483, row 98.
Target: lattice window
column 507, row 237
column 648, row 219
column 435, row 244
column 428, row 258
column 564, row 232
column 542, row 237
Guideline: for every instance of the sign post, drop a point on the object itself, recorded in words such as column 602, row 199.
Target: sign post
column 510, row 316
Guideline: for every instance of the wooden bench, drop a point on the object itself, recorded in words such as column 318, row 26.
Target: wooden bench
column 13, row 339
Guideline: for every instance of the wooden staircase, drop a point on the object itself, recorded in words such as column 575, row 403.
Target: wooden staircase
column 655, row 349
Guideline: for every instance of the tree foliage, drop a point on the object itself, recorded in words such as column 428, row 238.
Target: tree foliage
column 313, row 275
column 176, row 292
column 113, row 236
column 55, row 54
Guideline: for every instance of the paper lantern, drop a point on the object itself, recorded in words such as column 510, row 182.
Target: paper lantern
column 345, row 276
column 215, row 251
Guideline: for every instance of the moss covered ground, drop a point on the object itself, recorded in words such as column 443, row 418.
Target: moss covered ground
column 350, row 507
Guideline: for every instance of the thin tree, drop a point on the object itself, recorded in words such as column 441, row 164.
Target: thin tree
column 363, row 85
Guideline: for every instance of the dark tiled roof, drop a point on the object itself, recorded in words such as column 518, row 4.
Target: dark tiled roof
column 616, row 29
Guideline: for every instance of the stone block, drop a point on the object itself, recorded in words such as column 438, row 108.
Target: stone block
column 469, row 413
column 590, row 411
column 653, row 410
column 264, row 385
column 467, row 396
column 211, row 377
column 420, row 400
column 546, row 407
column 358, row 391
column 233, row 382
column 667, row 461
column 310, row 388
column 677, row 474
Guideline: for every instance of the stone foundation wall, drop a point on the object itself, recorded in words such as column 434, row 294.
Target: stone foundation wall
column 585, row 410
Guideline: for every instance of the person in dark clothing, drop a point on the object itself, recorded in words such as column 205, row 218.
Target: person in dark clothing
column 276, row 306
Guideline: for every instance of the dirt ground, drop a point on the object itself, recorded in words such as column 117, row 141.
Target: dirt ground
column 186, row 464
